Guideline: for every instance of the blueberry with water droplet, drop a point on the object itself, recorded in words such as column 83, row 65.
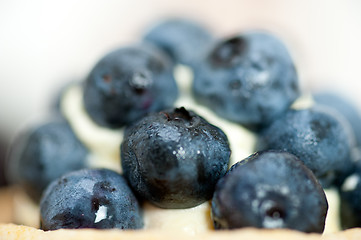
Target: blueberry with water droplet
column 174, row 158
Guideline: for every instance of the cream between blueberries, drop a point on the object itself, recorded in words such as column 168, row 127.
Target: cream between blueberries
column 104, row 144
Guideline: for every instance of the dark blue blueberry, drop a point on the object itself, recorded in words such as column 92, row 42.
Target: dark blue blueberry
column 174, row 158
column 317, row 136
column 249, row 79
column 127, row 84
column 43, row 153
column 90, row 198
column 186, row 41
column 343, row 105
column 270, row 190
column 350, row 199
column 349, row 111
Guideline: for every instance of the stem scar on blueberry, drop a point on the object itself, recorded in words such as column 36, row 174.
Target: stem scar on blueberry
column 141, row 81
column 182, row 113
column 178, row 114
column 226, row 53
column 275, row 212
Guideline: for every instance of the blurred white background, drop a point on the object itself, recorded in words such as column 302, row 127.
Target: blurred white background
column 44, row 44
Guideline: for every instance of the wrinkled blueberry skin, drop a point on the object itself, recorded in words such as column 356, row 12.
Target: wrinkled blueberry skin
column 249, row 79
column 78, row 199
column 43, row 153
column 344, row 106
column 185, row 41
column 128, row 83
column 350, row 198
column 174, row 158
column 317, row 136
column 270, row 190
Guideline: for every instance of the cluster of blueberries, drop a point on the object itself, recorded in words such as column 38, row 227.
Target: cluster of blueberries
column 174, row 158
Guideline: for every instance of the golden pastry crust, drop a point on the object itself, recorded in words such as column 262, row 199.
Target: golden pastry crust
column 24, row 213
column 14, row 232
column 6, row 204
column 10, row 231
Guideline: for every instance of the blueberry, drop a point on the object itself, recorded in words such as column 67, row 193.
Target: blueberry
column 317, row 136
column 174, row 158
column 270, row 190
column 350, row 198
column 128, row 83
column 186, row 41
column 44, row 153
column 90, row 198
column 248, row 78
column 345, row 106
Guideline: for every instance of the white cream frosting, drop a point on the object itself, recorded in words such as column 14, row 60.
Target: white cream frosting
column 192, row 221
column 105, row 143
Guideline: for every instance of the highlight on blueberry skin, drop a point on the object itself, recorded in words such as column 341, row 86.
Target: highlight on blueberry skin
column 185, row 40
column 174, row 158
column 249, row 78
column 129, row 83
column 43, row 153
column 270, row 189
column 90, row 198
column 318, row 136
